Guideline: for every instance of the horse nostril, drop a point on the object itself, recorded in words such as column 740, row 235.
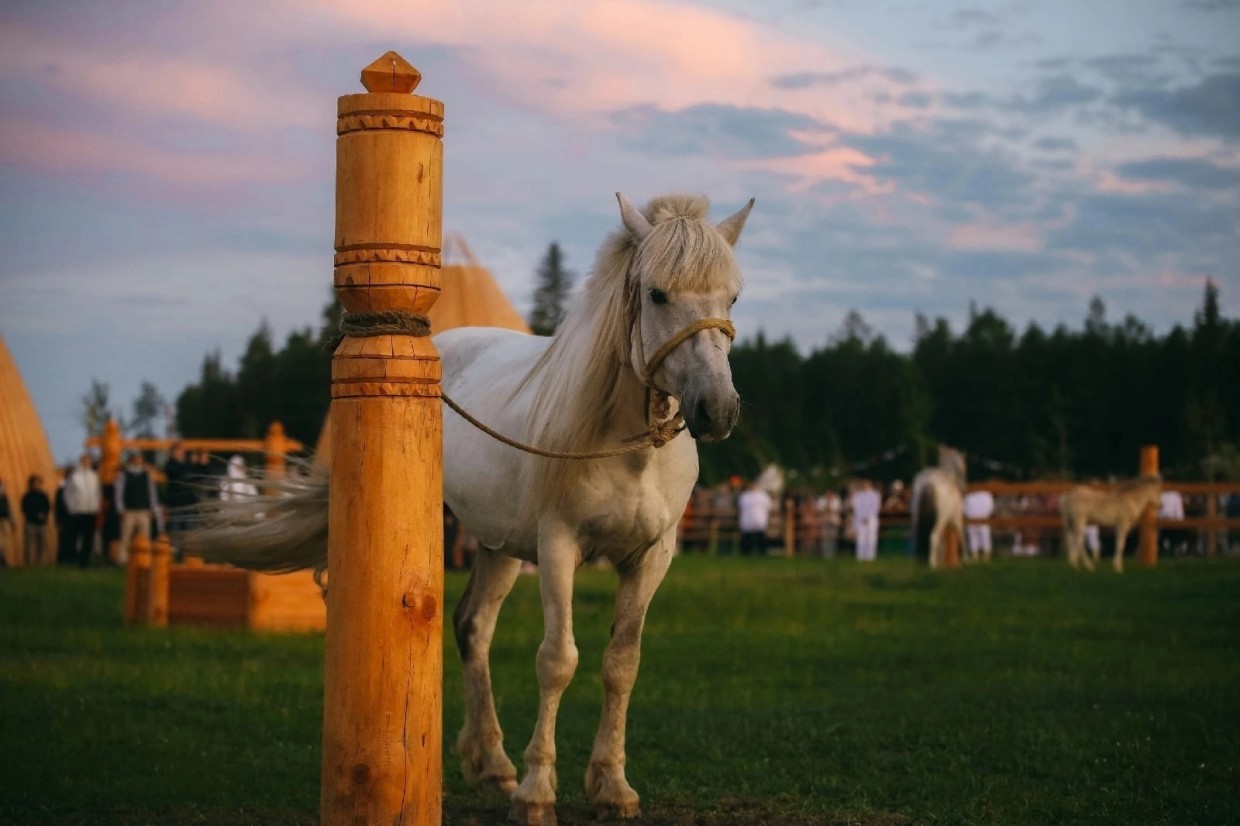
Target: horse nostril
column 702, row 412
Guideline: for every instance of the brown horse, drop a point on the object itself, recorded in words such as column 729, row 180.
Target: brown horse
column 1119, row 509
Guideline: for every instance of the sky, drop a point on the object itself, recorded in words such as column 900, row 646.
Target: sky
column 167, row 169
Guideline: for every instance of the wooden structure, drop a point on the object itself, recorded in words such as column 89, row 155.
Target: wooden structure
column 158, row 593
column 275, row 446
column 23, row 451
column 383, row 704
column 468, row 297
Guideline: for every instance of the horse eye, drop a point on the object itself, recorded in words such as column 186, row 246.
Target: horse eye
column 658, row 296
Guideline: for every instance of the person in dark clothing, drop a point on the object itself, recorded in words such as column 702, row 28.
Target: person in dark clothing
column 181, row 496
column 137, row 501
column 64, row 522
column 6, row 526
column 36, row 508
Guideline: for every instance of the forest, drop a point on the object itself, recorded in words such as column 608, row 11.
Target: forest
column 1032, row 403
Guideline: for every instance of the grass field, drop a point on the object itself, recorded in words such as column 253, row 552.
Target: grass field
column 772, row 691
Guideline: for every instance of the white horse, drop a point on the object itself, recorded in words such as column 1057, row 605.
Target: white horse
column 651, row 320
column 938, row 503
column 1120, row 509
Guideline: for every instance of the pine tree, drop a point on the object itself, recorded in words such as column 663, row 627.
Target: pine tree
column 551, row 295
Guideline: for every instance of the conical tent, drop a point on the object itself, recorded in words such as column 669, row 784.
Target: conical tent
column 23, row 451
column 468, row 297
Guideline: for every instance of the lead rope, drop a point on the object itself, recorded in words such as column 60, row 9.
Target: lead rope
column 663, row 427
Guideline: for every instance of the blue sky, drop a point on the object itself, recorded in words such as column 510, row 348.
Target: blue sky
column 166, row 169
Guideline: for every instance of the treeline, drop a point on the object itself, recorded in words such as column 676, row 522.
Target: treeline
column 1074, row 403
column 1063, row 403
column 291, row 384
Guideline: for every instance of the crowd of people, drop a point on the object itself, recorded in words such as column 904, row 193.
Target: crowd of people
column 91, row 517
column 824, row 521
column 750, row 519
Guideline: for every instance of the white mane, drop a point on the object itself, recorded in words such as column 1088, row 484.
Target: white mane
column 577, row 381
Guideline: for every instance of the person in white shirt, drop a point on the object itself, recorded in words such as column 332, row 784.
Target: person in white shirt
column 753, row 515
column 235, row 484
column 1171, row 506
column 980, row 504
column 866, row 504
column 83, row 498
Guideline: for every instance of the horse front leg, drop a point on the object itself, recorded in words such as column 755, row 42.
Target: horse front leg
column 606, row 786
column 533, row 802
column 1121, row 539
column 481, row 742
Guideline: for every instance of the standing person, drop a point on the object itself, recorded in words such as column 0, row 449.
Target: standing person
column 181, row 495
column 6, row 526
column 830, row 514
column 753, row 517
column 60, row 513
column 980, row 504
column 83, row 498
column 36, row 508
column 866, row 504
column 234, row 484
column 136, row 500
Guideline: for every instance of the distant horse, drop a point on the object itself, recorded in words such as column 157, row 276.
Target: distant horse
column 938, row 503
column 650, row 323
column 1120, row 509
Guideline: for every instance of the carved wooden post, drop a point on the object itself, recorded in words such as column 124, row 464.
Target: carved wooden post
column 157, row 596
column 137, row 579
column 382, row 720
column 274, row 448
column 1147, row 548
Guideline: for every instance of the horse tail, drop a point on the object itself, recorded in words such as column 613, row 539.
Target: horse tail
column 281, row 530
column 924, row 512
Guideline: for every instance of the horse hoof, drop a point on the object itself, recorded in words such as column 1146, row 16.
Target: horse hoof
column 617, row 811
column 532, row 814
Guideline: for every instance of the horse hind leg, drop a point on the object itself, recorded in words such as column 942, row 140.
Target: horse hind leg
column 480, row 744
column 533, row 801
column 607, row 788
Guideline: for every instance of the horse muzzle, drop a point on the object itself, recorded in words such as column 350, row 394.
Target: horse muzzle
column 711, row 417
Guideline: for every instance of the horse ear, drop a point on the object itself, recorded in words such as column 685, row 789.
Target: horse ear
column 634, row 221
column 730, row 227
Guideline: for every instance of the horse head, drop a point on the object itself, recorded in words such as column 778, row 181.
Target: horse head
column 681, row 285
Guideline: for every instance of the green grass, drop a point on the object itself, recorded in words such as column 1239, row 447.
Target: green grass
column 772, row 691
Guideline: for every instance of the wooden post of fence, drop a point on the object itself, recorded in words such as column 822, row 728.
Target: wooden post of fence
column 109, row 466
column 951, row 547
column 790, row 527
column 383, row 718
column 274, row 448
column 1212, row 532
column 157, row 599
column 137, row 579
column 1147, row 547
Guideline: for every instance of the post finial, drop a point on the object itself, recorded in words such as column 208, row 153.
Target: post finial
column 391, row 73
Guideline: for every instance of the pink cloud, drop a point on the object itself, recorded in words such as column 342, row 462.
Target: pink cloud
column 587, row 59
column 73, row 153
column 838, row 163
column 149, row 84
column 991, row 236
